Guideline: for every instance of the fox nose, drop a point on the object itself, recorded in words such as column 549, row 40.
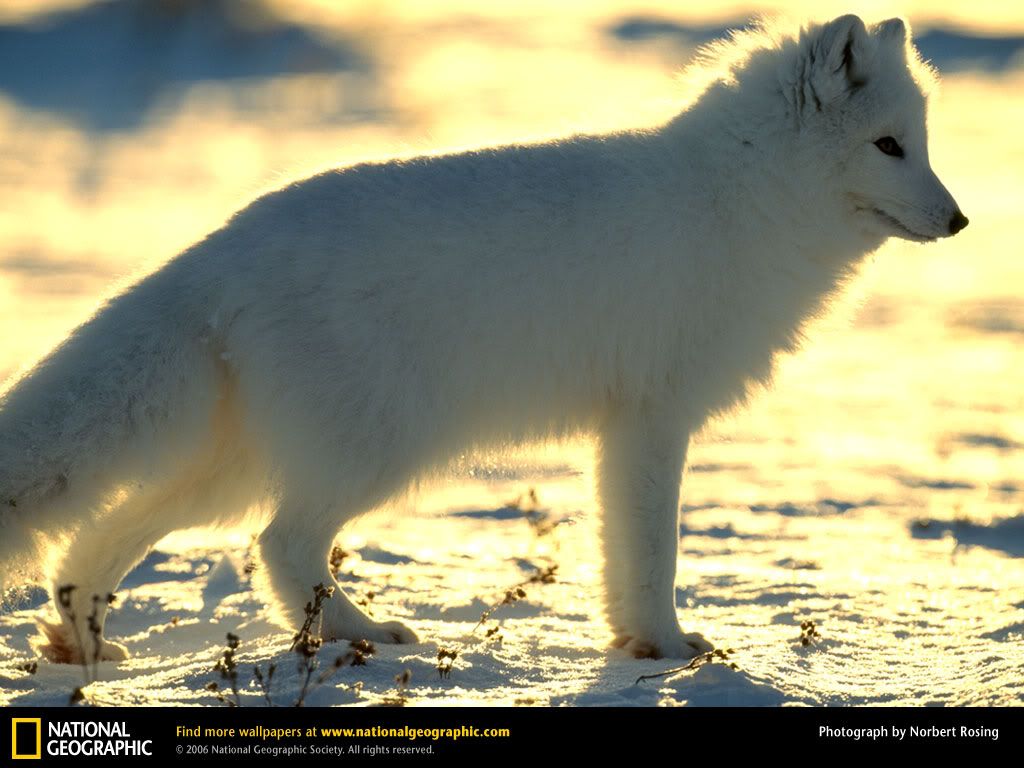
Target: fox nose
column 958, row 222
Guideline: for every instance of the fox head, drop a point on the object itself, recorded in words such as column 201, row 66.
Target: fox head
column 864, row 102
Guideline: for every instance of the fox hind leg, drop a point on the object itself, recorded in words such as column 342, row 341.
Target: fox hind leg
column 105, row 550
column 100, row 556
column 295, row 549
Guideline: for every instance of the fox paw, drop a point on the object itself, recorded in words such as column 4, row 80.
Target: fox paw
column 385, row 632
column 679, row 646
column 58, row 645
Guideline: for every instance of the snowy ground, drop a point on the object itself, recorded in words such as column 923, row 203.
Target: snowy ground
column 876, row 491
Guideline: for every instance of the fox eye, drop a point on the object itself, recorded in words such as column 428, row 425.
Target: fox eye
column 890, row 146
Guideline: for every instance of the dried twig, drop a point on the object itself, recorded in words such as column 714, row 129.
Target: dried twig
column 695, row 663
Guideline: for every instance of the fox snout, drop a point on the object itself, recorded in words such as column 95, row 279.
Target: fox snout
column 958, row 222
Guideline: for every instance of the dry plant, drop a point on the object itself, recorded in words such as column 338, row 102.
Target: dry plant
column 808, row 633
column 446, row 656
column 711, row 657
column 337, row 558
column 401, row 687
column 228, row 669
column 307, row 644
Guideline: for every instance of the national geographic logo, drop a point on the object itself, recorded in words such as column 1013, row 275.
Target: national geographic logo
column 65, row 738
column 26, row 738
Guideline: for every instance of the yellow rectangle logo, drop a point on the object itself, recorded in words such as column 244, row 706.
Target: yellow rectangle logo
column 26, row 738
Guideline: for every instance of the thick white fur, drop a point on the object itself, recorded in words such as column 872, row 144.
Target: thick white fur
column 353, row 331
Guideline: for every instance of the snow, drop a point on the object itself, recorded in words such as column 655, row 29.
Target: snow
column 903, row 618
column 875, row 491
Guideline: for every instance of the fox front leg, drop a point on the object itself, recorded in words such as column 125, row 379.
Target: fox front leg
column 641, row 454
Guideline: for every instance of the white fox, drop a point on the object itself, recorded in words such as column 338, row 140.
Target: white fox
column 351, row 332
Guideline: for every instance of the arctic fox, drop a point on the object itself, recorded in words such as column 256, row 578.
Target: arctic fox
column 351, row 332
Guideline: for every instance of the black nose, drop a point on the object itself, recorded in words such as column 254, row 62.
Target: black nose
column 958, row 222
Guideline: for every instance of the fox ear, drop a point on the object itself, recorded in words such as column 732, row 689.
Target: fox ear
column 840, row 56
column 893, row 30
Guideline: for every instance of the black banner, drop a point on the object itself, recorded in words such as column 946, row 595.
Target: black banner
column 439, row 734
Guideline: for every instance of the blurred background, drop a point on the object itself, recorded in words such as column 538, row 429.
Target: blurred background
column 131, row 128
